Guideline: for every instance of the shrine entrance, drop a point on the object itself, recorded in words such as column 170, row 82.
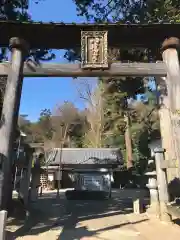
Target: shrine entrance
column 94, row 41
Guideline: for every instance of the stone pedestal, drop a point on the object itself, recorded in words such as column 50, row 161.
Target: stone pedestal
column 154, row 208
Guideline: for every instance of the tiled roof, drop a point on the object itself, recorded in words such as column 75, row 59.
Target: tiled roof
column 87, row 156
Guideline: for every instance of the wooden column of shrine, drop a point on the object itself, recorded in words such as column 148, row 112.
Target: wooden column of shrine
column 9, row 115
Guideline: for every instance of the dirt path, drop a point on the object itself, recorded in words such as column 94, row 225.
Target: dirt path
column 69, row 220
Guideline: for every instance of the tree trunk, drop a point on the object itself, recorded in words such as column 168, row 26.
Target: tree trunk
column 128, row 143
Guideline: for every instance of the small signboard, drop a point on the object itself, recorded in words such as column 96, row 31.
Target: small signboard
column 94, row 49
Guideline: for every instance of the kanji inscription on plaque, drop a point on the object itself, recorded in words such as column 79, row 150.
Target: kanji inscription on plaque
column 94, row 49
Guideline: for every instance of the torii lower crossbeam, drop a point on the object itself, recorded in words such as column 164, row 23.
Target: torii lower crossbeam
column 32, row 69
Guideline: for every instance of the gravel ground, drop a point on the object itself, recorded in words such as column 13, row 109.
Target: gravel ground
column 52, row 218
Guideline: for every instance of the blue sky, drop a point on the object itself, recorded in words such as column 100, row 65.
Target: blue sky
column 40, row 93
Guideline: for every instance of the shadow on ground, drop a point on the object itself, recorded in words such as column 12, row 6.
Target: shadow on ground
column 52, row 213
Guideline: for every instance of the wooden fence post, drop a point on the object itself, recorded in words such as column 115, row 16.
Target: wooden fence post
column 162, row 185
column 10, row 114
column 3, row 219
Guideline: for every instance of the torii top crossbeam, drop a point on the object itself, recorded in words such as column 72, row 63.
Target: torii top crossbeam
column 66, row 36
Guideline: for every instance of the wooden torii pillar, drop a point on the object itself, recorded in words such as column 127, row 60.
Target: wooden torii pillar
column 170, row 105
column 9, row 115
column 166, row 127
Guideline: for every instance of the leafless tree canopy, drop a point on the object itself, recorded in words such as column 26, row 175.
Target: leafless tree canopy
column 64, row 116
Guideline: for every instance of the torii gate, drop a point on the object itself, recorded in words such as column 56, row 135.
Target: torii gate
column 94, row 40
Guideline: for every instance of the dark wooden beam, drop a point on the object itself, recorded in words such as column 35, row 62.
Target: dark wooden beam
column 66, row 36
column 75, row 70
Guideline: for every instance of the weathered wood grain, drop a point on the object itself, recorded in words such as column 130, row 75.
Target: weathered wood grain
column 9, row 115
column 67, row 36
column 74, row 70
column 171, row 120
column 169, row 164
